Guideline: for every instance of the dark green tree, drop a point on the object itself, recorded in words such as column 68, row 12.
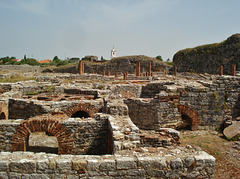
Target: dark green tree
column 159, row 58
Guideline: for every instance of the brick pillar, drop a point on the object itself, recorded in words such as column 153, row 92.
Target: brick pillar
column 125, row 76
column 108, row 73
column 103, row 73
column 233, row 69
column 175, row 70
column 149, row 68
column 81, row 68
column 138, row 70
column 116, row 74
column 221, row 71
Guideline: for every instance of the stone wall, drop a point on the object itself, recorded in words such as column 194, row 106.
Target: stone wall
column 21, row 68
column 207, row 104
column 24, row 108
column 89, row 136
column 27, row 165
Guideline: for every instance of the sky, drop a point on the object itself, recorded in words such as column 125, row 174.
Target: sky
column 42, row 29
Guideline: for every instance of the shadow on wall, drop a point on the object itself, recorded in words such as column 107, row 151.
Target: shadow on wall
column 2, row 116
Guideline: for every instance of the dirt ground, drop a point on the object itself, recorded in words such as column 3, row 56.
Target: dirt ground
column 227, row 153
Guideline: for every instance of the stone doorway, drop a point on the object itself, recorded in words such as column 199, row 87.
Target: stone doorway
column 3, row 116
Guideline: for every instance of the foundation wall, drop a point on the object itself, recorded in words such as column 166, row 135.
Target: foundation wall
column 28, row 165
column 89, row 137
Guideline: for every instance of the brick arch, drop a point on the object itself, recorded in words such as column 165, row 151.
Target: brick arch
column 50, row 125
column 192, row 115
column 82, row 107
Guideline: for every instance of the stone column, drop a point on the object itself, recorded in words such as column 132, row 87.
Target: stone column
column 175, row 70
column 108, row 73
column 234, row 70
column 221, row 71
column 103, row 73
column 138, row 69
column 149, row 68
column 81, row 68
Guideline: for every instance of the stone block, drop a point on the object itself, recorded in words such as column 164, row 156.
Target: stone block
column 3, row 175
column 79, row 165
column 93, row 165
column 155, row 173
column 176, row 164
column 189, row 161
column 152, row 162
column 43, row 164
column 63, row 164
column 3, row 166
column 14, row 175
column 23, row 166
column 126, row 163
column 108, row 164
column 35, row 176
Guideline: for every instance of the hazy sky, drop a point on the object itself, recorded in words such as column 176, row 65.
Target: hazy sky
column 76, row 28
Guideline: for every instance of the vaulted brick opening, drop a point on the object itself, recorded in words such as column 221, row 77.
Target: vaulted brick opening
column 80, row 114
column 190, row 118
column 82, row 110
column 42, row 142
column 3, row 116
column 51, row 127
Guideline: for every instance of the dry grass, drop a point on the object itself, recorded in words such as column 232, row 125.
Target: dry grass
column 16, row 78
column 227, row 157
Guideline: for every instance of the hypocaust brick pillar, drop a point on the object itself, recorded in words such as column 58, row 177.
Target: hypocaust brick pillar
column 149, row 68
column 234, row 70
column 81, row 68
column 221, row 71
column 175, row 70
column 138, row 70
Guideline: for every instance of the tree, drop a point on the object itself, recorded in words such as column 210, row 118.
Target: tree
column 159, row 58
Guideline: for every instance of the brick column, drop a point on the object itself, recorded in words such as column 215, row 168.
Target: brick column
column 116, row 74
column 138, row 70
column 125, row 76
column 108, row 73
column 233, row 69
column 221, row 71
column 81, row 68
column 103, row 73
column 149, row 68
column 175, row 70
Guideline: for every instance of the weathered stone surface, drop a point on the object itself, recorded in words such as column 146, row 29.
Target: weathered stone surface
column 152, row 162
column 23, row 166
column 108, row 164
column 79, row 165
column 126, row 163
column 232, row 130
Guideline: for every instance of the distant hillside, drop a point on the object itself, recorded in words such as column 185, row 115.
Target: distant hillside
column 208, row 58
column 125, row 64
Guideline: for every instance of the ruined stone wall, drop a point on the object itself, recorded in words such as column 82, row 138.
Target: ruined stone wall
column 28, row 165
column 90, row 136
column 24, row 109
column 126, row 90
column 153, row 114
column 22, row 68
column 206, row 106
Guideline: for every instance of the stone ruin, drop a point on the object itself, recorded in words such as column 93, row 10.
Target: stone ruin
column 94, row 126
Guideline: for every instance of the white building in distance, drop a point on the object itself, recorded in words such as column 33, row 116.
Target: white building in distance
column 113, row 53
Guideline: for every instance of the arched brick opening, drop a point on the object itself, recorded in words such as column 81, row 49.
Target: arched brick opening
column 2, row 116
column 190, row 116
column 82, row 108
column 52, row 127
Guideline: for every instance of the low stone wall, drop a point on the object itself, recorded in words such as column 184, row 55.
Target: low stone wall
column 21, row 68
column 30, row 165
